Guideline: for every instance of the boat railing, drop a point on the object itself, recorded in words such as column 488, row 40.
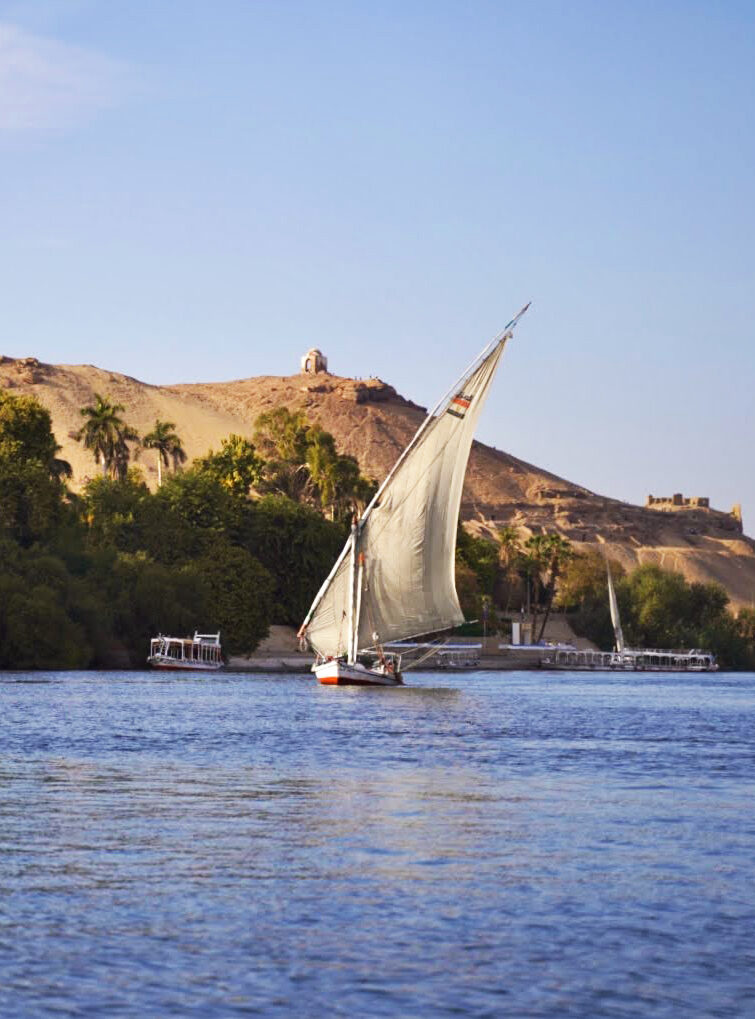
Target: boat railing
column 212, row 639
column 202, row 647
column 632, row 658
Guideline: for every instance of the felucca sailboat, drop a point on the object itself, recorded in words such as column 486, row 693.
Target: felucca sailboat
column 395, row 578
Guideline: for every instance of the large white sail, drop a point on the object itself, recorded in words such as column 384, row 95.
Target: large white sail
column 614, row 605
column 395, row 578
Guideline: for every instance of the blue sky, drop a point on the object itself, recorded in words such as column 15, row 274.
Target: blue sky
column 202, row 191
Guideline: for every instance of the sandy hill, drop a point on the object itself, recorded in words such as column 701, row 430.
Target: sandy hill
column 373, row 423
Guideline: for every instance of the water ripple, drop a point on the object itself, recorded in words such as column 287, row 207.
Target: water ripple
column 501, row 844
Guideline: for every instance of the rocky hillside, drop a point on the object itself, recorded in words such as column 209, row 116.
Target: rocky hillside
column 373, row 423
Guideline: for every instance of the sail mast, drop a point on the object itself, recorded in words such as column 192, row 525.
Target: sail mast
column 395, row 574
column 353, row 624
column 504, row 335
column 351, row 647
column 615, row 619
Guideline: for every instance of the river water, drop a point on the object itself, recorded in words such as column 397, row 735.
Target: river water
column 524, row 844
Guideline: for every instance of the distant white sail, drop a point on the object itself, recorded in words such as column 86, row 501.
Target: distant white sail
column 618, row 635
column 395, row 578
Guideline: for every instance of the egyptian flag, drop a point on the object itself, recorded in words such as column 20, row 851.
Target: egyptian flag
column 459, row 405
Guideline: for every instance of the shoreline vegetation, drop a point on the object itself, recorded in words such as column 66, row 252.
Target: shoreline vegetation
column 242, row 538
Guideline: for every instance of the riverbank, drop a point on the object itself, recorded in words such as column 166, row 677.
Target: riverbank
column 279, row 652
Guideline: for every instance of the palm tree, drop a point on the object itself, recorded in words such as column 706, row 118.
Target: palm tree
column 283, row 438
column 530, row 564
column 555, row 552
column 509, row 551
column 106, row 435
column 122, row 453
column 168, row 445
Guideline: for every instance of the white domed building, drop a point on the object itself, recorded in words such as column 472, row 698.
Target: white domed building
column 314, row 361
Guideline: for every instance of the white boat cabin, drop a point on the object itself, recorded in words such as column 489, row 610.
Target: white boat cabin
column 202, row 651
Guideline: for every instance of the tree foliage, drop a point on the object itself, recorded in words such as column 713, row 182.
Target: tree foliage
column 658, row 608
column 40, row 610
column 239, row 591
column 302, row 463
column 583, row 593
column 236, row 466
column 31, row 475
column 26, row 431
column 113, row 511
column 164, row 440
column 479, row 555
column 242, row 539
column 107, row 436
column 298, row 548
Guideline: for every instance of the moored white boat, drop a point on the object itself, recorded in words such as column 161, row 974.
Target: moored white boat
column 624, row 659
column 395, row 577
column 201, row 652
column 630, row 660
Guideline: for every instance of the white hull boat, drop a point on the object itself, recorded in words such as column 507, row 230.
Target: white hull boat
column 338, row 672
column 630, row 660
column 200, row 653
column 395, row 577
column 161, row 662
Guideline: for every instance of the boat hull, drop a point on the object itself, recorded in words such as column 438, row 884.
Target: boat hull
column 184, row 666
column 340, row 673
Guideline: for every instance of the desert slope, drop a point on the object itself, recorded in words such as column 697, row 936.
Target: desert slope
column 373, row 423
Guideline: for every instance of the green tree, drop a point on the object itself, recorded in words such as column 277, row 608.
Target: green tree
column 303, row 463
column 746, row 625
column 296, row 545
column 31, row 488
column 583, row 593
column 663, row 610
column 477, row 572
column 480, row 555
column 164, row 440
column 532, row 565
column 139, row 598
column 338, row 485
column 106, row 435
column 584, row 579
column 26, row 433
column 235, row 466
column 281, row 438
column 509, row 553
column 30, row 501
column 746, row 634
column 468, row 590
column 555, row 553
column 240, row 602
column 114, row 510
column 187, row 516
column 122, row 452
column 38, row 609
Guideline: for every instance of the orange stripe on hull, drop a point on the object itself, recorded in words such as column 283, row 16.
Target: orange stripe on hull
column 328, row 680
